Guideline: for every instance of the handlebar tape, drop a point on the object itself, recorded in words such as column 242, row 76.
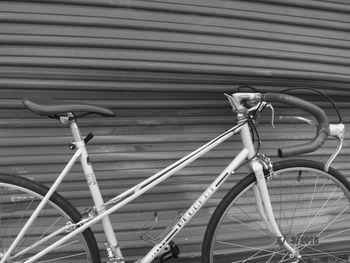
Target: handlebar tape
column 319, row 114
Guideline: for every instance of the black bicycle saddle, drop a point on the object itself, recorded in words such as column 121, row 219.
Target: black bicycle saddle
column 57, row 108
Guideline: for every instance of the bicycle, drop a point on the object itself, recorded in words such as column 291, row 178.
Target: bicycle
column 301, row 216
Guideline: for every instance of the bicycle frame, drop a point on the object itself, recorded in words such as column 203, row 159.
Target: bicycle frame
column 104, row 209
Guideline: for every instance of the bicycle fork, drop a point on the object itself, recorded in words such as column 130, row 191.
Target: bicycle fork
column 263, row 202
column 262, row 196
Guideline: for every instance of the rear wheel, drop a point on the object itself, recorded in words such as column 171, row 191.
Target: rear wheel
column 311, row 208
column 18, row 199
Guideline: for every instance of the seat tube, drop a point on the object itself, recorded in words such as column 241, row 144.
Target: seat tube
column 95, row 190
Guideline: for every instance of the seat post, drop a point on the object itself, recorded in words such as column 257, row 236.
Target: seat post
column 74, row 129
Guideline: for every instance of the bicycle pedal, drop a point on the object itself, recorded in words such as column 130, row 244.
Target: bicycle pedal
column 172, row 252
column 115, row 260
column 111, row 257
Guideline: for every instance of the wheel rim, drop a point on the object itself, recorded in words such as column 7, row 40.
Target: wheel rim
column 311, row 209
column 16, row 205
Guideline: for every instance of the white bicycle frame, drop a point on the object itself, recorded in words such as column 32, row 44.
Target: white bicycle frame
column 104, row 209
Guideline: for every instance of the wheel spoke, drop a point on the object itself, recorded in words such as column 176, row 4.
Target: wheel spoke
column 318, row 214
column 312, row 211
column 258, row 228
column 48, row 226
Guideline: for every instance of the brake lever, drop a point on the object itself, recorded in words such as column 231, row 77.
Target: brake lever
column 337, row 131
column 262, row 106
column 269, row 105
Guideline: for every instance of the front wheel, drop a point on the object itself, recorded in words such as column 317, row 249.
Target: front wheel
column 311, row 208
column 18, row 199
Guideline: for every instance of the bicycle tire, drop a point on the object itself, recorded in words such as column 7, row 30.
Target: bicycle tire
column 311, row 208
column 18, row 197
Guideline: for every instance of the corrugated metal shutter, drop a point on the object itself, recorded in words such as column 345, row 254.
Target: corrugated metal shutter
column 162, row 66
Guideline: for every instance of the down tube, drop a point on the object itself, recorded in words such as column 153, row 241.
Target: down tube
column 206, row 195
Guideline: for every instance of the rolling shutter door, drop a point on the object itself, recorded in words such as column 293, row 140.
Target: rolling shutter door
column 163, row 67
